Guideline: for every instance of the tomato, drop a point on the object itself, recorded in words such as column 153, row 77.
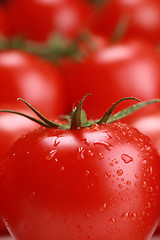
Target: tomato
column 139, row 18
column 11, row 128
column 3, row 23
column 112, row 72
column 38, row 20
column 148, row 123
column 26, row 76
column 99, row 182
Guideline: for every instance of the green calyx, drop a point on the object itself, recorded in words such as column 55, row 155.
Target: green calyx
column 78, row 118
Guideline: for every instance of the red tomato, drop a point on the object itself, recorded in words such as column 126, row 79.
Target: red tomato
column 3, row 23
column 113, row 72
column 39, row 19
column 100, row 182
column 148, row 124
column 132, row 18
column 26, row 76
column 11, row 128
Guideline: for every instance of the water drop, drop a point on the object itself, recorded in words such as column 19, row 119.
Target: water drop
column 126, row 158
column 144, row 184
column 95, row 127
column 56, row 142
column 148, row 205
column 144, row 161
column 107, row 174
column 119, row 172
column 90, row 153
column 108, row 146
column 81, row 151
column 111, row 164
column 62, row 168
column 112, row 221
column 128, row 183
column 148, row 148
column 51, row 154
column 100, row 155
column 103, row 207
column 125, row 215
column 87, row 215
column 136, row 175
column 86, row 172
column 120, row 186
column 133, row 216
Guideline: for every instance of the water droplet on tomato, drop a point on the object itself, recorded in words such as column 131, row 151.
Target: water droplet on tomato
column 103, row 207
column 62, row 168
column 144, row 161
column 125, row 215
column 107, row 174
column 119, row 172
column 87, row 215
column 108, row 146
column 133, row 216
column 136, row 175
column 51, row 154
column 112, row 221
column 144, row 184
column 128, row 183
column 111, row 164
column 56, row 142
column 95, row 127
column 90, row 153
column 126, row 158
column 148, row 205
column 100, row 155
column 81, row 151
column 86, row 172
column 120, row 186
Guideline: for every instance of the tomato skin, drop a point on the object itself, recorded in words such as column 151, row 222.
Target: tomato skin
column 148, row 124
column 3, row 23
column 141, row 19
column 39, row 20
column 113, row 72
column 37, row 81
column 11, row 128
column 100, row 182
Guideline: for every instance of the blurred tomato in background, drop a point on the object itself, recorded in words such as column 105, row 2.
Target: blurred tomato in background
column 129, row 19
column 27, row 76
column 38, row 20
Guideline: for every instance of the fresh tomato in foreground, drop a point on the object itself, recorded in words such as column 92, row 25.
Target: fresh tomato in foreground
column 39, row 20
column 27, row 76
column 97, row 182
column 11, row 128
column 112, row 72
column 128, row 19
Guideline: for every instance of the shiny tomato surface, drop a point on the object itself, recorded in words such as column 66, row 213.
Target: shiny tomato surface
column 11, row 128
column 29, row 77
column 100, row 182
